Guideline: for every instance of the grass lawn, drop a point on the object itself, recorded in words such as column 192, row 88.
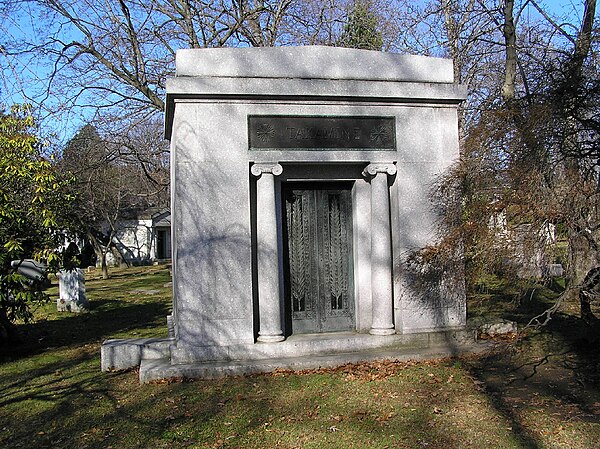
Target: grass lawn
column 542, row 391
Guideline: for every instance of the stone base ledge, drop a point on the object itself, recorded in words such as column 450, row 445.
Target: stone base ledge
column 316, row 344
column 152, row 370
column 160, row 358
column 457, row 332
column 118, row 354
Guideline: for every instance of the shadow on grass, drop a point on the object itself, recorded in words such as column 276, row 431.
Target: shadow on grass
column 555, row 369
column 51, row 378
column 238, row 412
column 105, row 319
column 66, row 403
column 57, row 397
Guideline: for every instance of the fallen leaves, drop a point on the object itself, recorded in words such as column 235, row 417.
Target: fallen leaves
column 365, row 371
column 385, row 417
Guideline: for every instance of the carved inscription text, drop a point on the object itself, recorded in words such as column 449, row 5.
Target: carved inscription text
column 321, row 133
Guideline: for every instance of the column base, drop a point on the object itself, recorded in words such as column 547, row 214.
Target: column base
column 270, row 338
column 375, row 331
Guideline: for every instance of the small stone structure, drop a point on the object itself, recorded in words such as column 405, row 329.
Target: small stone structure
column 143, row 239
column 71, row 291
column 300, row 187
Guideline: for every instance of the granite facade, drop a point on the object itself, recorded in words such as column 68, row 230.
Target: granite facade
column 228, row 241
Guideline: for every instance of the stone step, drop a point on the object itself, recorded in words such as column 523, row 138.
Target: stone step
column 126, row 353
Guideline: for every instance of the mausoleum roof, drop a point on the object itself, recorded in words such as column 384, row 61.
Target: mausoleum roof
column 312, row 62
column 310, row 73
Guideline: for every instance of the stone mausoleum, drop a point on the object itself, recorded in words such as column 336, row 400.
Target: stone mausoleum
column 300, row 186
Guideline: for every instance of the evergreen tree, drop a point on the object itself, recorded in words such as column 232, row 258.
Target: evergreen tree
column 362, row 28
column 33, row 204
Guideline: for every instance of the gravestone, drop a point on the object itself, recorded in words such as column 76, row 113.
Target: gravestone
column 71, row 291
column 300, row 189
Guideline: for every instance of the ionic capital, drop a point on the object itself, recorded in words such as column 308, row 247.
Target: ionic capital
column 372, row 169
column 268, row 167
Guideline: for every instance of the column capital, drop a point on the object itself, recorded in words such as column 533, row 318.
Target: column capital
column 373, row 168
column 259, row 168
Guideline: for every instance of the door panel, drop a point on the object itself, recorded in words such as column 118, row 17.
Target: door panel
column 318, row 229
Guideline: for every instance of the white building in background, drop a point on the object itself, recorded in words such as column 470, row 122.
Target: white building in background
column 145, row 239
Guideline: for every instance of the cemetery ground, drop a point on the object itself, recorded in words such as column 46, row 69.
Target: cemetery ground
column 540, row 390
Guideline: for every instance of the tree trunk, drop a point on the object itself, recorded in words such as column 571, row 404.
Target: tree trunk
column 583, row 257
column 103, row 265
column 100, row 253
column 583, row 244
column 510, row 42
column 123, row 263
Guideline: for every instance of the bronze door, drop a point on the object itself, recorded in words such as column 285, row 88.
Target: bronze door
column 318, row 232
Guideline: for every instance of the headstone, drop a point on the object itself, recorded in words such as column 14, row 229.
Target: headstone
column 555, row 270
column 71, row 291
column 33, row 270
column 501, row 327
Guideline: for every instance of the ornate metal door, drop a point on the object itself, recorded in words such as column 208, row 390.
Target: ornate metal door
column 318, row 231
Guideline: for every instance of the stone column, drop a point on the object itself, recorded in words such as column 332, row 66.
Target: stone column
column 269, row 304
column 381, row 248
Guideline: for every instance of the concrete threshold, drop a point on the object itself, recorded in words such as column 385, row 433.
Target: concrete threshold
column 157, row 369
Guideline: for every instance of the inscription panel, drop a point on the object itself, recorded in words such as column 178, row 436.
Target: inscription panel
column 276, row 132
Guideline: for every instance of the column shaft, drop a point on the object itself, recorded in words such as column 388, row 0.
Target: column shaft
column 268, row 260
column 381, row 250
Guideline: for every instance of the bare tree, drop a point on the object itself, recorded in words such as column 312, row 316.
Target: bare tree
column 118, row 54
column 584, row 230
column 532, row 155
column 108, row 189
column 529, row 124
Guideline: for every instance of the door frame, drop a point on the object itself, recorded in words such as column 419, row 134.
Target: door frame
column 327, row 172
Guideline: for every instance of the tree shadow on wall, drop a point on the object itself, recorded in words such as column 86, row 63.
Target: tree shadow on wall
column 215, row 266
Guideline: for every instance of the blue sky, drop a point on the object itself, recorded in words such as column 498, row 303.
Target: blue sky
column 32, row 80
